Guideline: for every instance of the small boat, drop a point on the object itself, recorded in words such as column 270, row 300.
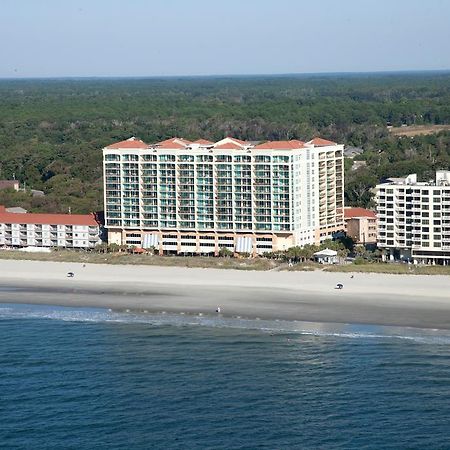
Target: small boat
column 339, row 286
column 70, row 274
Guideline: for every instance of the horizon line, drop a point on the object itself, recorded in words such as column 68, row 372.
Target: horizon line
column 232, row 75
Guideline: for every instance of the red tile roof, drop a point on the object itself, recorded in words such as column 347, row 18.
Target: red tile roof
column 129, row 143
column 236, row 140
column 280, row 145
column 228, row 142
column 319, row 142
column 173, row 140
column 173, row 143
column 228, row 146
column 350, row 212
column 203, row 142
column 49, row 219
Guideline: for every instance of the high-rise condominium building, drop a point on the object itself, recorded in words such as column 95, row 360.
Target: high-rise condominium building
column 414, row 218
column 198, row 197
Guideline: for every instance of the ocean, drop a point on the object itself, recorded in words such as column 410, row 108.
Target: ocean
column 77, row 378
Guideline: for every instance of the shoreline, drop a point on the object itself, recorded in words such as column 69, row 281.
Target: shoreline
column 377, row 299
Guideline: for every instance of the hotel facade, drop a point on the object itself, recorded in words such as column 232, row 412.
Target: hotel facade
column 198, row 197
column 414, row 219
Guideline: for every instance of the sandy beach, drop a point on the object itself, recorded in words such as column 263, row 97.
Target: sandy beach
column 416, row 301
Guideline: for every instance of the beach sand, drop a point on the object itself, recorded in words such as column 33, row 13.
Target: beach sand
column 403, row 300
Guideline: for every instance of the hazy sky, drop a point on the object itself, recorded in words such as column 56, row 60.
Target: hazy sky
column 52, row 38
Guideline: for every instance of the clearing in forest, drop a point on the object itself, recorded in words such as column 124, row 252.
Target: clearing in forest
column 417, row 130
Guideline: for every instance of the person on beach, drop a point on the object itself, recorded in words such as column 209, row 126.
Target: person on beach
column 218, row 310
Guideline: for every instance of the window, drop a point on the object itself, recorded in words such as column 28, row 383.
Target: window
column 189, row 158
column 223, row 158
column 130, row 157
column 164, row 158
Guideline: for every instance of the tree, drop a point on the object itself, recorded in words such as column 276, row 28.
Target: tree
column 225, row 252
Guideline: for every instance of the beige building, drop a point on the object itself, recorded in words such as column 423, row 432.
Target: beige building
column 180, row 196
column 414, row 218
column 361, row 225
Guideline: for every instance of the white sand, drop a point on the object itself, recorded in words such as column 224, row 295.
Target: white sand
column 414, row 300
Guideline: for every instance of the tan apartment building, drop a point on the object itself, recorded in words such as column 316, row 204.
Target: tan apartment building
column 361, row 225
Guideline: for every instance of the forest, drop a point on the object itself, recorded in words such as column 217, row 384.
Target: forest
column 52, row 130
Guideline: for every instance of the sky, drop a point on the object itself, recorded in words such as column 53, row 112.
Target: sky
column 115, row 38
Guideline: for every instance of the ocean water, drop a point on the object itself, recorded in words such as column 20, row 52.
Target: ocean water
column 95, row 379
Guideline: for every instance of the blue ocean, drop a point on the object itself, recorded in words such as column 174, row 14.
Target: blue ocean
column 77, row 378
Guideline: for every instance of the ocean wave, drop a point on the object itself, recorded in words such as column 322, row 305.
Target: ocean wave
column 274, row 327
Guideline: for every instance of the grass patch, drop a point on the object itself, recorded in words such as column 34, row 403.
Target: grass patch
column 303, row 267
column 397, row 269
column 211, row 262
column 151, row 260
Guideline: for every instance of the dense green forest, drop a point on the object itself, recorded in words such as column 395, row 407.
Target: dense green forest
column 52, row 131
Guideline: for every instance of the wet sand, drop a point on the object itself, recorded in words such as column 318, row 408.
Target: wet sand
column 404, row 300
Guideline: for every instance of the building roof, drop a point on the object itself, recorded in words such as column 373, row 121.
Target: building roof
column 15, row 210
column 326, row 252
column 232, row 143
column 49, row 219
column 228, row 146
column 280, row 145
column 132, row 142
column 227, row 143
column 203, row 142
column 350, row 213
column 175, row 140
column 350, row 152
column 319, row 142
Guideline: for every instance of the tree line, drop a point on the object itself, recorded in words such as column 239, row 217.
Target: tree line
column 52, row 131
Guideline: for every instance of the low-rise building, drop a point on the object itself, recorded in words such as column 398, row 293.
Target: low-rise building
column 48, row 230
column 414, row 218
column 326, row 256
column 9, row 184
column 361, row 225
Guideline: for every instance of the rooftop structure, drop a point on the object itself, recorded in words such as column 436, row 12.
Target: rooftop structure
column 414, row 218
column 197, row 196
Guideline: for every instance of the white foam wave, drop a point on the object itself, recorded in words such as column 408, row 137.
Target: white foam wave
column 273, row 327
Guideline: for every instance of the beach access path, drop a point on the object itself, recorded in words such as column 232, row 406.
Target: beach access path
column 403, row 300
